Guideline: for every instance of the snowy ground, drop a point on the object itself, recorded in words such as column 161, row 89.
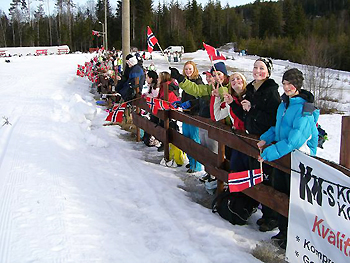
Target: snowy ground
column 72, row 190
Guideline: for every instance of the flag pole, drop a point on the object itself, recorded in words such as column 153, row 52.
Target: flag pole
column 261, row 166
column 212, row 64
column 163, row 53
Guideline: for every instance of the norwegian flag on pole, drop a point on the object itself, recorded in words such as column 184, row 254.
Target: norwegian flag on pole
column 213, row 53
column 157, row 104
column 151, row 39
column 117, row 113
column 239, row 181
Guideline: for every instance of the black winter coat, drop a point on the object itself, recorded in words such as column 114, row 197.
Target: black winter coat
column 264, row 104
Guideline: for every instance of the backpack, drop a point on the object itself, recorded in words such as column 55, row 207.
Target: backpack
column 235, row 207
column 322, row 136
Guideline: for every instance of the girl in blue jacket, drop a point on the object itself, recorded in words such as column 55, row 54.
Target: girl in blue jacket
column 295, row 129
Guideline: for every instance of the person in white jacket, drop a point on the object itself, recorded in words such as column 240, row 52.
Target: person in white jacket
column 238, row 83
column 237, row 89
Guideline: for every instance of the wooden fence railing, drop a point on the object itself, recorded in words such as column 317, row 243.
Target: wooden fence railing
column 215, row 164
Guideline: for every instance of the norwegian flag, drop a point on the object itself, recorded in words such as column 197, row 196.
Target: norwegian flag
column 95, row 33
column 239, row 181
column 213, row 53
column 80, row 71
column 117, row 113
column 151, row 39
column 157, row 104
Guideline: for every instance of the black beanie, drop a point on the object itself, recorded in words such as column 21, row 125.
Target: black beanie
column 295, row 77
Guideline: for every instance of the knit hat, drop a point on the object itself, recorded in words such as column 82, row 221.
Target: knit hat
column 295, row 77
column 220, row 66
column 132, row 61
column 268, row 63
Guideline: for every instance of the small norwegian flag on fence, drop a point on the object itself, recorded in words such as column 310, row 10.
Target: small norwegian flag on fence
column 117, row 113
column 239, row 181
column 157, row 104
column 151, row 39
column 213, row 53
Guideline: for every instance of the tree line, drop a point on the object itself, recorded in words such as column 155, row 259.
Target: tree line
column 315, row 32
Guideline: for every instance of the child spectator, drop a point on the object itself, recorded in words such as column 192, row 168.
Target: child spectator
column 238, row 161
column 190, row 104
column 295, row 124
column 152, row 91
column 203, row 91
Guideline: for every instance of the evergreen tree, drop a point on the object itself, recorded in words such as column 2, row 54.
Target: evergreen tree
column 38, row 15
column 300, row 21
column 144, row 18
column 3, row 28
column 209, row 23
column 270, row 20
column 289, row 18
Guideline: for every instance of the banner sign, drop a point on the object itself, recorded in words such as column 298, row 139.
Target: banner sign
column 319, row 213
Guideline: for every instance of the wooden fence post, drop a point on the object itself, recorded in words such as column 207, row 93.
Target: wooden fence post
column 345, row 142
column 138, row 135
column 166, row 124
column 220, row 163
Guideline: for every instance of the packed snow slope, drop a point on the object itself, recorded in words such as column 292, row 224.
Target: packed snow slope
column 72, row 190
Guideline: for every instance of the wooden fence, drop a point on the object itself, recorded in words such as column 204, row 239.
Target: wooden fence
column 215, row 164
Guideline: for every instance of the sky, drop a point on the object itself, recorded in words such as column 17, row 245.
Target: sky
column 5, row 4
column 73, row 190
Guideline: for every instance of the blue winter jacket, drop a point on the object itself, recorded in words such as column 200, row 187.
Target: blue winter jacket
column 295, row 124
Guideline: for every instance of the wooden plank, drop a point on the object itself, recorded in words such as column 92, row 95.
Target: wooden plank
column 262, row 193
column 199, row 152
column 149, row 127
column 143, row 105
column 269, row 197
column 189, row 119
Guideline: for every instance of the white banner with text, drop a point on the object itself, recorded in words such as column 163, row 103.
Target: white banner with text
column 319, row 212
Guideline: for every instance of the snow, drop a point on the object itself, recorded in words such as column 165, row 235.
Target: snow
column 73, row 190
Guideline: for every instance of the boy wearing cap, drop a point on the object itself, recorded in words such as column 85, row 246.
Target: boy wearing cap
column 295, row 128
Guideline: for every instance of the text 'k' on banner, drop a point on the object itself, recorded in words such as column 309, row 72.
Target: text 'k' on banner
column 319, row 212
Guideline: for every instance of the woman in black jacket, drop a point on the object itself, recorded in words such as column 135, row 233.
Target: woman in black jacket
column 258, row 112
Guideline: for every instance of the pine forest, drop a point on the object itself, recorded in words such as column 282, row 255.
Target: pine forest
column 313, row 32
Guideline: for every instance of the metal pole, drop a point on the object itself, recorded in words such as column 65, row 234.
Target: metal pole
column 106, row 41
column 125, row 29
column 103, row 34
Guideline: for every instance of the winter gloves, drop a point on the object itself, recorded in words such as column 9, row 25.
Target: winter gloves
column 185, row 105
column 175, row 74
